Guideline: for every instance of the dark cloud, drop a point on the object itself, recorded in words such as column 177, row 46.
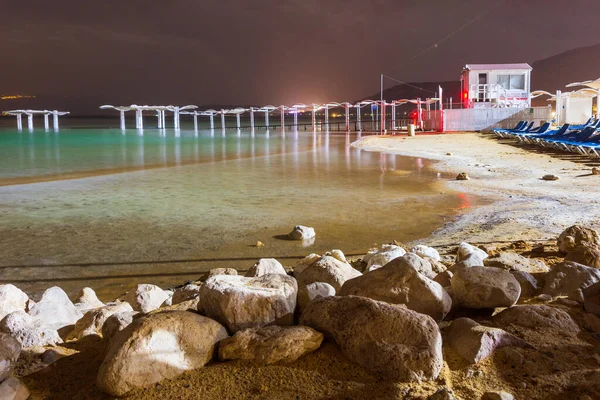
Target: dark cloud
column 261, row 51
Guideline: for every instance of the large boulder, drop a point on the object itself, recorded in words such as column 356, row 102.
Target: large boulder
column 306, row 262
column 13, row 389
column 326, row 269
column 241, row 303
column 185, row 293
column 87, row 300
column 54, row 309
column 11, row 299
column 387, row 339
column 10, row 349
column 474, row 342
column 270, row 344
column 516, row 262
column 568, row 277
column 301, row 232
column 29, row 331
column 586, row 254
column 93, row 321
column 146, row 298
column 377, row 258
column 426, row 252
column 529, row 285
column 307, row 293
column 266, row 266
column 485, row 287
column 537, row 316
column 156, row 347
column 399, row 282
column 575, row 235
column 591, row 298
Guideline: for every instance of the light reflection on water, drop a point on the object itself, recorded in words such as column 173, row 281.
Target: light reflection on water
column 217, row 198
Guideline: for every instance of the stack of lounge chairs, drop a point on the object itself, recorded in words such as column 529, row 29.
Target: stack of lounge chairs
column 583, row 139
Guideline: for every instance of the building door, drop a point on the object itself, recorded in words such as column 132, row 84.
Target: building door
column 482, row 87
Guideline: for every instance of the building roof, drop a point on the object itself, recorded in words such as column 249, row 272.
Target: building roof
column 476, row 67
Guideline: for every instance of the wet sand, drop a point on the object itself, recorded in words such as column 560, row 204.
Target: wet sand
column 524, row 206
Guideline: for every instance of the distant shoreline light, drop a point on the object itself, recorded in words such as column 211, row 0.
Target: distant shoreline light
column 16, row 97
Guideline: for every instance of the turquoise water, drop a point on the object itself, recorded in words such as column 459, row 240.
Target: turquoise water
column 96, row 207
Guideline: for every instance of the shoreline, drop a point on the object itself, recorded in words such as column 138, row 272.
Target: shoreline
column 524, row 206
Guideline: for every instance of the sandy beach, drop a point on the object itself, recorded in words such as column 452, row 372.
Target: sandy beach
column 523, row 205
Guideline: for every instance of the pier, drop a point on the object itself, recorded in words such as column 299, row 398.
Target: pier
column 31, row 113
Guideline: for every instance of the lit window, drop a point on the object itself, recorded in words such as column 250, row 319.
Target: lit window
column 514, row 82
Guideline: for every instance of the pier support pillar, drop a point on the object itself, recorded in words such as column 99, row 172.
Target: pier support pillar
column 159, row 117
column 46, row 123
column 393, row 117
column 30, row 121
column 359, row 127
column 327, row 116
column 223, row 120
column 383, row 130
column 252, row 119
column 55, row 119
column 237, row 121
column 19, row 122
column 212, row 121
column 267, row 119
column 347, row 109
column 176, row 118
column 296, row 117
column 122, row 119
column 314, row 118
column 195, row 120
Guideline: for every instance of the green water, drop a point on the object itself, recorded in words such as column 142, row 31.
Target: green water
column 165, row 206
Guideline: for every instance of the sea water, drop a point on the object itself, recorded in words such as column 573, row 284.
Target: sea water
column 107, row 208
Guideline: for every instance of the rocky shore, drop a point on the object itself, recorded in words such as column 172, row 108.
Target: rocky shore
column 495, row 321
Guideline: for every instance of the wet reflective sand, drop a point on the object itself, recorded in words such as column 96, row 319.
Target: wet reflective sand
column 164, row 207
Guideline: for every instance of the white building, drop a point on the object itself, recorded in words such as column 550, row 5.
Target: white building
column 496, row 85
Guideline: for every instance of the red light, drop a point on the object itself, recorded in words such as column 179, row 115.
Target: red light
column 465, row 95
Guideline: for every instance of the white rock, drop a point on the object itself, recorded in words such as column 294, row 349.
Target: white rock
column 29, row 331
column 301, row 232
column 239, row 302
column 266, row 266
column 11, row 299
column 426, row 251
column 13, row 389
column 389, row 340
column 399, row 282
column 10, row 349
column 93, row 321
column 270, row 344
column 156, row 347
column 87, row 300
column 187, row 292
column 338, row 254
column 306, row 262
column 384, row 255
column 485, row 287
column 465, row 250
column 169, row 300
column 146, row 298
column 329, row 270
column 475, row 342
column 55, row 310
column 307, row 293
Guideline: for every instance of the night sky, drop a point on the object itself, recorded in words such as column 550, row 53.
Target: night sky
column 269, row 51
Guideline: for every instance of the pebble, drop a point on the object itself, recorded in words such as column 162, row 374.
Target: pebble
column 595, row 171
column 260, row 244
column 463, row 176
column 550, row 177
